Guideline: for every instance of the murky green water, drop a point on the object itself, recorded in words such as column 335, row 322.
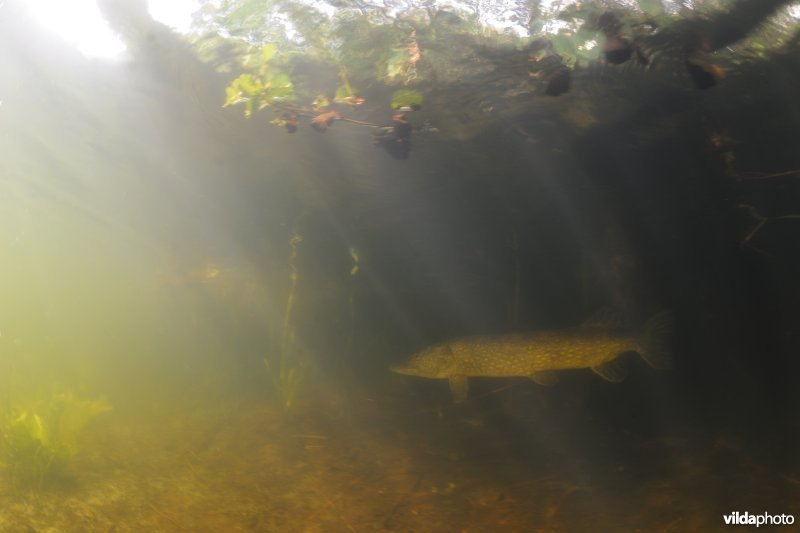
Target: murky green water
column 199, row 310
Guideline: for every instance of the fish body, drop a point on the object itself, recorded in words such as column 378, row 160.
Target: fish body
column 538, row 355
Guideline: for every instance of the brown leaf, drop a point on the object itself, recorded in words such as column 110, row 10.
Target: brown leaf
column 321, row 122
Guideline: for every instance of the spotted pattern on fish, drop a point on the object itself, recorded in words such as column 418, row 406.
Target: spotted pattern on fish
column 536, row 355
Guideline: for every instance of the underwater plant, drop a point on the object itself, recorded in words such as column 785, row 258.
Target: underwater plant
column 351, row 301
column 261, row 88
column 287, row 369
column 38, row 442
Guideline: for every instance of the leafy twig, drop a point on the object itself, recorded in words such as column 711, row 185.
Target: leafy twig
column 761, row 221
column 758, row 177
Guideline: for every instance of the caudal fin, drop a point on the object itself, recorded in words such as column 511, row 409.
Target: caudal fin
column 654, row 338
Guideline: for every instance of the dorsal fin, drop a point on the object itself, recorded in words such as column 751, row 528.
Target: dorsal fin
column 606, row 318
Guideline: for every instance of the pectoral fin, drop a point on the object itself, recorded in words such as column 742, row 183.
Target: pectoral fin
column 458, row 387
column 545, row 377
column 613, row 371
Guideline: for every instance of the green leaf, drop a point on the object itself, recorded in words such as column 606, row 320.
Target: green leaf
column 233, row 96
column 345, row 90
column 281, row 81
column 653, row 8
column 248, row 84
column 267, row 52
column 564, row 45
column 406, row 97
column 342, row 94
column 396, row 64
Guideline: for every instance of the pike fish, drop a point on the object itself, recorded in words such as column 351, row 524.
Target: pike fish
column 597, row 344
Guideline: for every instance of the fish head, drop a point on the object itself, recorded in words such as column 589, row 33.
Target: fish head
column 432, row 362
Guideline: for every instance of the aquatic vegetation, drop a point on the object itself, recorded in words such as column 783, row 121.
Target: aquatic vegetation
column 286, row 372
column 39, row 441
column 759, row 222
column 703, row 73
column 261, row 88
column 500, row 55
column 286, row 368
column 406, row 98
column 351, row 301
